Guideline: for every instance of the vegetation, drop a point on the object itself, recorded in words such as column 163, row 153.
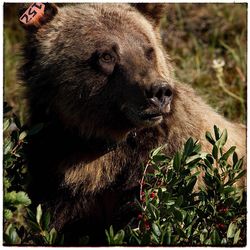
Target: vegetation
column 207, row 44
column 174, row 211
column 197, row 34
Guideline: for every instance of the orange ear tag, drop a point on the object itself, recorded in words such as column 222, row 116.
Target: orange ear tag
column 32, row 15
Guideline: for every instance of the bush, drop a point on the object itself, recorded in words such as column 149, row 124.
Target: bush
column 22, row 226
column 173, row 210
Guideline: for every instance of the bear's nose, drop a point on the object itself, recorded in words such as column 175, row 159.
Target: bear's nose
column 159, row 94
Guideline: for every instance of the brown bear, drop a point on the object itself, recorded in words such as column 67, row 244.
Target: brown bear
column 99, row 79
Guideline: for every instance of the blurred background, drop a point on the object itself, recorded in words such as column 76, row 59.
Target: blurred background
column 206, row 42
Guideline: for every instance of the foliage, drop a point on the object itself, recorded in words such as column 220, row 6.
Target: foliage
column 174, row 211
column 22, row 226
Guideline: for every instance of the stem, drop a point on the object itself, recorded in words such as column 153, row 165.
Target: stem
column 142, row 180
column 221, row 83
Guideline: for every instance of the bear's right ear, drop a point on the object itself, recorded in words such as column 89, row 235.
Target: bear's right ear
column 37, row 14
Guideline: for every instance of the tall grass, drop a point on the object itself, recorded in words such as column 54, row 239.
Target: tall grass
column 197, row 34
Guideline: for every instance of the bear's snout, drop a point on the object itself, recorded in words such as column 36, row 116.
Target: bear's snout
column 160, row 96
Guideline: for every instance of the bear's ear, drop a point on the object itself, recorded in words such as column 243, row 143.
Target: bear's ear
column 153, row 11
column 33, row 16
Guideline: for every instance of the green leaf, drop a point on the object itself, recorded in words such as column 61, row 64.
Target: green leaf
column 7, row 214
column 46, row 220
column 119, row 237
column 210, row 158
column 168, row 235
column 197, row 147
column 242, row 173
column 223, row 138
column 215, row 238
column 52, row 236
column 13, row 236
column 191, row 184
column 215, row 152
column 33, row 225
column 203, row 235
column 177, row 162
column 202, row 238
column 8, row 145
column 153, row 211
column 227, row 154
column 210, row 138
column 188, row 147
column 235, row 158
column 192, row 161
column 178, row 215
column 6, row 124
column 9, row 198
column 156, row 229
column 22, row 198
column 159, row 158
column 179, row 201
column 231, row 230
column 237, row 237
column 13, row 198
column 39, row 214
column 208, row 164
column 217, row 133
column 238, row 165
column 228, row 190
column 156, row 151
column 31, row 215
column 22, row 135
column 170, row 202
column 110, row 234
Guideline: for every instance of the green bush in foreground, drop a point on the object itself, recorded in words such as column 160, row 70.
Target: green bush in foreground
column 21, row 225
column 174, row 209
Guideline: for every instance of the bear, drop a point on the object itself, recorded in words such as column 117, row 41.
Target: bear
column 99, row 80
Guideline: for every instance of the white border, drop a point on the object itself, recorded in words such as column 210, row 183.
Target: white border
column 1, row 112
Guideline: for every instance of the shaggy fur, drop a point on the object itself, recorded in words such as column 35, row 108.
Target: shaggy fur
column 86, row 162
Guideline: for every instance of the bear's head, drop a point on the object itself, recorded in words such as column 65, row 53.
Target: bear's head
column 98, row 68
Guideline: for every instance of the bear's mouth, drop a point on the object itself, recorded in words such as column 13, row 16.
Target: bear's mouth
column 151, row 116
column 145, row 118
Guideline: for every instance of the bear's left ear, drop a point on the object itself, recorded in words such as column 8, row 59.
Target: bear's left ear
column 152, row 11
column 33, row 16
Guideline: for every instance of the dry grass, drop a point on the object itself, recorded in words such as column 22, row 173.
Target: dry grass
column 195, row 35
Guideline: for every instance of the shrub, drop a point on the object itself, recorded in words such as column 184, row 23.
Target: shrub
column 22, row 226
column 174, row 210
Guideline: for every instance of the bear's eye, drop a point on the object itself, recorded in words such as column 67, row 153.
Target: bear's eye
column 106, row 58
column 107, row 63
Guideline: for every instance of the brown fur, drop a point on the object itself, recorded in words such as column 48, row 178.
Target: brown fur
column 86, row 162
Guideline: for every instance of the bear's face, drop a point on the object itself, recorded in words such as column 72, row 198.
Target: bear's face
column 108, row 68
